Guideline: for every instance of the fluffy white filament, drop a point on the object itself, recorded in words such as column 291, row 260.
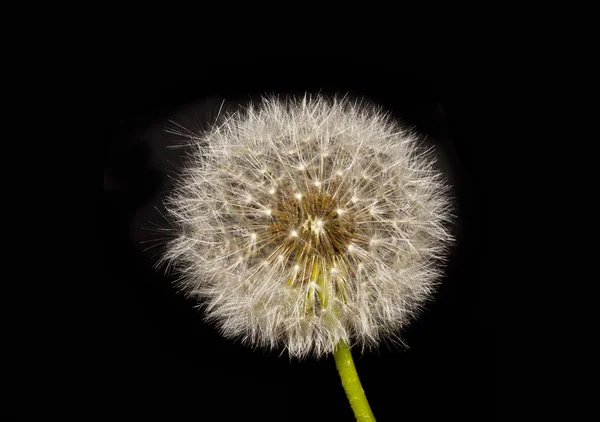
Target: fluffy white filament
column 304, row 222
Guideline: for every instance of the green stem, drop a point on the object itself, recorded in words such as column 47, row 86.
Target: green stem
column 351, row 382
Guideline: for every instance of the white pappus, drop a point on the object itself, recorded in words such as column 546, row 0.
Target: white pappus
column 303, row 222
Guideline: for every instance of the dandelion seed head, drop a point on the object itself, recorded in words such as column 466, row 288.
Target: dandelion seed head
column 308, row 221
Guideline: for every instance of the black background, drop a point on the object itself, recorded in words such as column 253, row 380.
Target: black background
column 163, row 360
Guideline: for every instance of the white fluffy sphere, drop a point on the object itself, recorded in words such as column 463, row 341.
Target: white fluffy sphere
column 304, row 222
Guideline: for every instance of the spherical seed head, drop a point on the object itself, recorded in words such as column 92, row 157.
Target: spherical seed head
column 305, row 222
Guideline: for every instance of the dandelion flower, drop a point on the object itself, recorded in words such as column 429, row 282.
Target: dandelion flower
column 308, row 223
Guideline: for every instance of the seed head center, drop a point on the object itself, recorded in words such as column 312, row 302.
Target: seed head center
column 311, row 227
